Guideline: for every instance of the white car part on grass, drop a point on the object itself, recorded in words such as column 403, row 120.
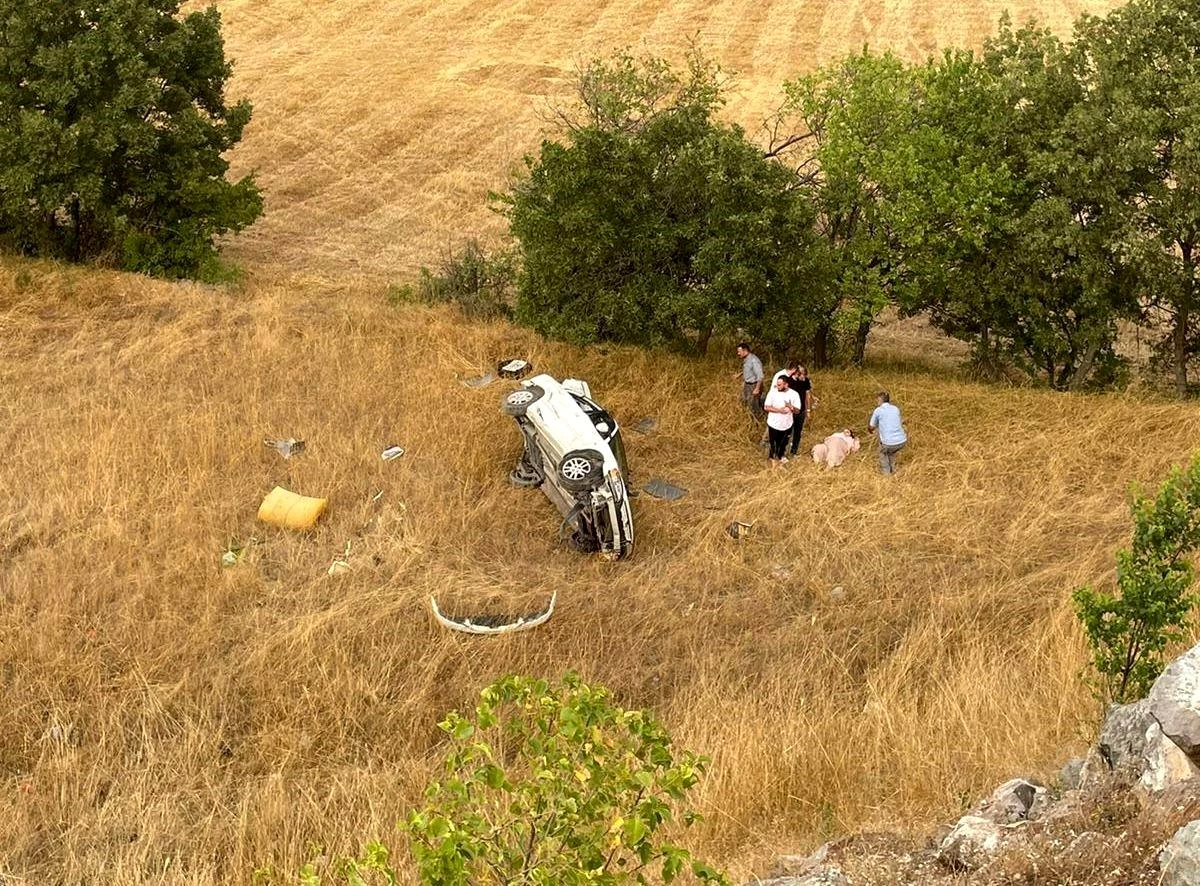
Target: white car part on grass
column 492, row 624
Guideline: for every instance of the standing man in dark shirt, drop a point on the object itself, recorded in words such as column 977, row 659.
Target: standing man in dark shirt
column 797, row 377
column 752, row 380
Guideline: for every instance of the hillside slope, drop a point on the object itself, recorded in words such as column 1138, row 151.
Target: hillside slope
column 877, row 651
column 381, row 125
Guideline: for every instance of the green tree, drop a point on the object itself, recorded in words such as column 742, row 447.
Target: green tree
column 549, row 784
column 855, row 117
column 1143, row 71
column 1129, row 628
column 112, row 126
column 1011, row 226
column 653, row 222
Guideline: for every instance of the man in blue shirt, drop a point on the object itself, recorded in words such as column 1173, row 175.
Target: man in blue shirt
column 885, row 421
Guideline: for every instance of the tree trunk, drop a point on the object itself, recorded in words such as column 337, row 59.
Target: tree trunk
column 76, row 231
column 1084, row 370
column 703, row 339
column 1179, row 332
column 821, row 345
column 1179, row 350
column 860, row 340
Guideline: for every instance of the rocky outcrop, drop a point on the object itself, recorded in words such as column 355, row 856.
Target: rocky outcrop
column 1128, row 811
column 976, row 838
column 1123, row 737
column 971, row 843
column 1166, row 764
column 1174, row 701
column 1179, row 860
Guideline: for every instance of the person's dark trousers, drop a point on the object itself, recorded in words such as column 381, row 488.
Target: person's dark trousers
column 778, row 442
column 797, row 429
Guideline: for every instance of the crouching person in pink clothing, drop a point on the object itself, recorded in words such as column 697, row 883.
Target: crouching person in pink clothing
column 836, row 447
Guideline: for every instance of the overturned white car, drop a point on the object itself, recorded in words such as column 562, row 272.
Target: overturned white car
column 573, row 451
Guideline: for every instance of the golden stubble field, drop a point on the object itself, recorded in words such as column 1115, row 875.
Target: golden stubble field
column 171, row 721
column 381, row 125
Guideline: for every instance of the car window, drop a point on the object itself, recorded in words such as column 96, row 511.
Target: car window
column 618, row 450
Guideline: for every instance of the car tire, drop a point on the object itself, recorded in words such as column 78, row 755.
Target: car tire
column 582, row 544
column 581, row 470
column 518, row 401
column 524, row 475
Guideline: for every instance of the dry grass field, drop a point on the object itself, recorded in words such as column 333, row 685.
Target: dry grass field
column 381, row 125
column 168, row 720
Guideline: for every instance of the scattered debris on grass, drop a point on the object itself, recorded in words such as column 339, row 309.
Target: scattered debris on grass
column 341, row 563
column 234, row 552
column 514, row 367
column 493, row 624
column 646, row 425
column 287, row 448
column 739, row 530
column 479, row 381
column 660, row 488
column 392, row 452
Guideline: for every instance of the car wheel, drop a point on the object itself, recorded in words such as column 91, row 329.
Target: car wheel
column 577, row 541
column 521, row 399
column 581, row 470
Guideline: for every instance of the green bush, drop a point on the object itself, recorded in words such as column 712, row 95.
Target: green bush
column 1130, row 627
column 113, row 127
column 482, row 285
column 548, row 784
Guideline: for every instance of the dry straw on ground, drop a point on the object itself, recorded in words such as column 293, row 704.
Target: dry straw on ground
column 168, row 720
column 380, row 125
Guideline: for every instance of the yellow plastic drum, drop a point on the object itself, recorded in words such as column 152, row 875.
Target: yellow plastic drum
column 291, row 511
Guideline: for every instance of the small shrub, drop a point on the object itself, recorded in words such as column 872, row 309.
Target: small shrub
column 1130, row 627
column 482, row 285
column 548, row 784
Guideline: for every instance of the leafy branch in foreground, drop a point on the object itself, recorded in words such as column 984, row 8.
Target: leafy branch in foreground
column 1130, row 627
column 549, row 784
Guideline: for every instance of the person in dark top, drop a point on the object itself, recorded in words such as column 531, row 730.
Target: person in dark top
column 797, row 380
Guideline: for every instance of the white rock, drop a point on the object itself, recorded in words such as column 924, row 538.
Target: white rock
column 1166, row 763
column 1015, row 800
column 827, row 876
column 1123, row 736
column 1174, row 701
column 1179, row 860
column 971, row 843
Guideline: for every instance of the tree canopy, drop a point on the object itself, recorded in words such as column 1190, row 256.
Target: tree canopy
column 1029, row 198
column 654, row 222
column 113, row 123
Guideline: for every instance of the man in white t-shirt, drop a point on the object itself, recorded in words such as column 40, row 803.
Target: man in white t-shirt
column 781, row 406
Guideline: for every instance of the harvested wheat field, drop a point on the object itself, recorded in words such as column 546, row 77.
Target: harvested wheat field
column 381, row 125
column 168, row 720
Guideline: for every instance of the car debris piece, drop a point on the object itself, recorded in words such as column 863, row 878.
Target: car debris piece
column 514, row 367
column 341, row 563
column 492, row 624
column 739, row 530
column 234, row 552
column 660, row 488
column 479, row 381
column 646, row 425
column 392, row 452
column 574, row 453
column 286, row 509
column 287, row 448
